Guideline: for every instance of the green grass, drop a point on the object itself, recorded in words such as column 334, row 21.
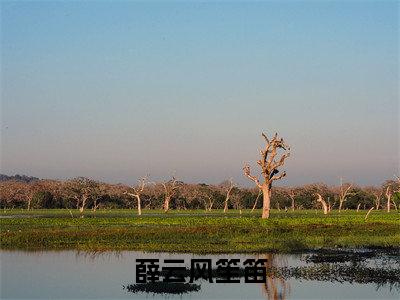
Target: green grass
column 197, row 231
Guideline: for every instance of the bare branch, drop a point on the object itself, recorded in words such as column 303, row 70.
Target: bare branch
column 246, row 172
column 276, row 177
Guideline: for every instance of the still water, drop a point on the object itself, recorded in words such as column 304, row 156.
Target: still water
column 111, row 275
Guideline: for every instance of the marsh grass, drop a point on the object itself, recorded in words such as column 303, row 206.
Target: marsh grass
column 197, row 231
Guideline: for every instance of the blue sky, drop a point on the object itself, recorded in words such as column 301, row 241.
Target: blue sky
column 117, row 90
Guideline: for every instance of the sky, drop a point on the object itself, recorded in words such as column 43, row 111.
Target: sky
column 118, row 90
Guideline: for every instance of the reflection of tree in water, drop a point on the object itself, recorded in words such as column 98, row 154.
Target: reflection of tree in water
column 93, row 255
column 163, row 288
column 378, row 267
column 274, row 288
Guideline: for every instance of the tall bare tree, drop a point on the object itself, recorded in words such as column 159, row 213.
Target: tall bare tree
column 323, row 202
column 388, row 194
column 292, row 195
column 392, row 190
column 170, row 188
column 344, row 191
column 269, row 169
column 138, row 191
column 228, row 189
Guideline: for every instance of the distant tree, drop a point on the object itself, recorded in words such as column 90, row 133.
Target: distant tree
column 205, row 194
column 227, row 186
column 237, row 198
column 138, row 191
column 81, row 190
column 269, row 169
column 292, row 195
column 13, row 193
column 170, row 189
column 43, row 199
column 343, row 193
column 360, row 198
column 376, row 193
column 323, row 203
column 391, row 187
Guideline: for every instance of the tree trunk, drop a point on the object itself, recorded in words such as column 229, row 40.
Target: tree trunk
column 211, row 205
column 358, row 206
column 266, row 202
column 340, row 204
column 95, row 205
column 139, row 206
column 226, row 205
column 166, row 204
column 324, row 205
column 366, row 216
column 394, row 204
column 255, row 203
column 82, row 207
column 378, row 203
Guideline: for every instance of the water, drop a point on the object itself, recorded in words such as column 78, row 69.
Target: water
column 110, row 275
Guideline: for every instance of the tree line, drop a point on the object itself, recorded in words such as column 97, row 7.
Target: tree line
column 84, row 193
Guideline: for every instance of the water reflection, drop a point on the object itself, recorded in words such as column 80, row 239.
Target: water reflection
column 275, row 287
column 163, row 288
column 72, row 274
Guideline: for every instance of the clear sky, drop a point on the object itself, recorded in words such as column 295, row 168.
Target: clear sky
column 117, row 90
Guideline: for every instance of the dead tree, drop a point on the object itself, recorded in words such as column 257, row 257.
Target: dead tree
column 369, row 211
column 170, row 188
column 255, row 202
column 269, row 169
column 208, row 202
column 377, row 195
column 331, row 206
column 237, row 202
column 292, row 195
column 138, row 191
column 324, row 205
column 82, row 190
column 343, row 193
column 228, row 194
column 388, row 194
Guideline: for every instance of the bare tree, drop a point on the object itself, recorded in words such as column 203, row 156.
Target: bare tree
column 377, row 193
column 269, row 169
column 292, row 195
column 331, row 206
column 392, row 190
column 138, row 191
column 237, row 202
column 388, row 194
column 344, row 191
column 208, row 202
column 228, row 190
column 170, row 188
column 81, row 189
column 369, row 211
column 324, row 205
column 255, row 202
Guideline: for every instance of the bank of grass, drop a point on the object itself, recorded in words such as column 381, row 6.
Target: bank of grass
column 197, row 231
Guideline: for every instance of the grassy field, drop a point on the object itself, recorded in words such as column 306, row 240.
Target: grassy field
column 197, row 231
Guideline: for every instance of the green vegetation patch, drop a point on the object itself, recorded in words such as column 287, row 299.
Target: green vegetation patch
column 197, row 231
